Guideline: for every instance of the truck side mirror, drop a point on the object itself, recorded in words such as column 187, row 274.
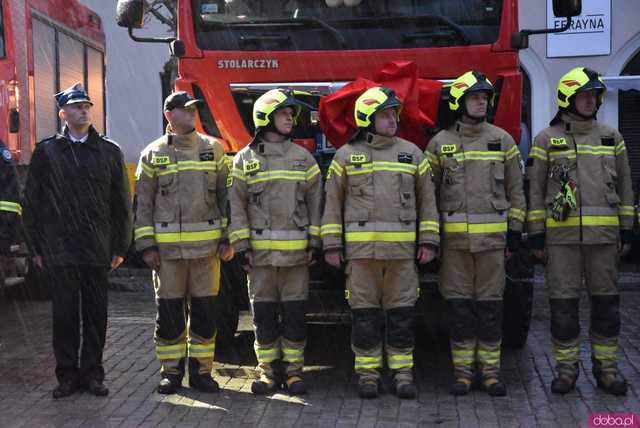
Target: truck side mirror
column 130, row 13
column 567, row 8
column 14, row 121
column 177, row 48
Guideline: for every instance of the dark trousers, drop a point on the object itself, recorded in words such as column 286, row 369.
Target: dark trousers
column 76, row 290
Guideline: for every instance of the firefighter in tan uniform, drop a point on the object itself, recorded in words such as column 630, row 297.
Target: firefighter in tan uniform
column 180, row 227
column 477, row 171
column 581, row 213
column 275, row 199
column 380, row 202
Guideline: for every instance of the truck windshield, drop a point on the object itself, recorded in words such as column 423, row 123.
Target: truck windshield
column 284, row 25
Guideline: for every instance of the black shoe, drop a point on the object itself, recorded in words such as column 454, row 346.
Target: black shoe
column 204, row 383
column 169, row 384
column 407, row 390
column 494, row 387
column 612, row 383
column 368, row 389
column 296, row 386
column 65, row 388
column 563, row 384
column 461, row 386
column 264, row 385
column 97, row 388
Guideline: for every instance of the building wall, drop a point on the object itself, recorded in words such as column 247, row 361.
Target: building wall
column 133, row 88
column 545, row 72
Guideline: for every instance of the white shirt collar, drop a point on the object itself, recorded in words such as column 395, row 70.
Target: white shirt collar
column 81, row 140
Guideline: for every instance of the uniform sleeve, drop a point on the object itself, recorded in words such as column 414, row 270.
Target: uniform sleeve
column 624, row 188
column 239, row 232
column 428, row 219
column 34, row 197
column 514, row 186
column 313, row 200
column 221, row 187
column 537, row 167
column 146, row 187
column 10, row 207
column 434, row 162
column 332, row 220
column 120, row 208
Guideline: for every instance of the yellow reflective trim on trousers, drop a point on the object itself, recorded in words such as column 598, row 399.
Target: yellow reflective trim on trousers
column 368, row 362
column 512, row 153
column 533, row 215
column 267, row 355
column 171, row 352
column 269, row 244
column 10, row 206
column 538, row 153
column 199, row 350
column 475, row 228
column 143, row 232
column 462, row 356
column 291, row 355
column 517, row 213
column 238, row 235
column 488, row 357
column 605, row 352
column 429, row 226
column 177, row 237
column 626, row 210
column 566, row 354
column 380, row 236
column 397, row 362
column 312, row 172
column 277, row 174
column 592, row 220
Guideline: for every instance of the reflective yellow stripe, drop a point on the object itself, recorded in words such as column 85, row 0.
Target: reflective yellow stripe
column 479, row 155
column 9, row 206
column 566, row 354
column 379, row 166
column 397, row 362
column 239, row 234
column 538, row 153
column 314, row 230
column 626, row 210
column 585, row 149
column 462, row 356
column 312, row 172
column 238, row 173
column 475, row 228
column 267, row 355
column 198, row 350
column 620, row 147
column 149, row 171
column 176, row 237
column 330, row 229
column 605, row 352
column 268, row 244
column 429, row 226
column 592, row 220
column 433, row 159
column 424, row 166
column 171, row 352
column 291, row 355
column 489, row 357
column 187, row 166
column 512, row 153
column 143, row 232
column 336, row 168
column 568, row 154
column 368, row 362
column 380, row 236
column 277, row 174
column 517, row 213
column 534, row 215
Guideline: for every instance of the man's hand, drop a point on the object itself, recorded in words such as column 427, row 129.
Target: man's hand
column 425, row 254
column 334, row 258
column 152, row 258
column 116, row 261
column 225, row 251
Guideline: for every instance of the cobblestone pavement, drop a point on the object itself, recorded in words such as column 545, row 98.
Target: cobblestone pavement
column 27, row 379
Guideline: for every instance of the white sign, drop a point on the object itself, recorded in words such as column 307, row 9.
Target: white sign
column 589, row 34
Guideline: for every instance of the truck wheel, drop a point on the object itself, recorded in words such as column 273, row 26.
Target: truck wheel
column 518, row 301
column 233, row 285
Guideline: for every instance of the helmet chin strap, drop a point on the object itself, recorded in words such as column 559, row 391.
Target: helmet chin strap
column 473, row 119
column 572, row 109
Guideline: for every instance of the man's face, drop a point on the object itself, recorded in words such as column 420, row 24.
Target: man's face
column 283, row 120
column 182, row 119
column 476, row 104
column 586, row 103
column 77, row 115
column 385, row 122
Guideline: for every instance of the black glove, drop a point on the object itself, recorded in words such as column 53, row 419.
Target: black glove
column 626, row 236
column 536, row 241
column 514, row 240
column 241, row 257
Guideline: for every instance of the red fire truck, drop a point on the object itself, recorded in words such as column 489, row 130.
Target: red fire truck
column 232, row 51
column 46, row 45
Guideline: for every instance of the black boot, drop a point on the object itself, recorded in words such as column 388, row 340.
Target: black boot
column 65, row 388
column 204, row 383
column 461, row 386
column 612, row 383
column 368, row 388
column 296, row 385
column 563, row 384
column 169, row 384
column 407, row 390
column 494, row 387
